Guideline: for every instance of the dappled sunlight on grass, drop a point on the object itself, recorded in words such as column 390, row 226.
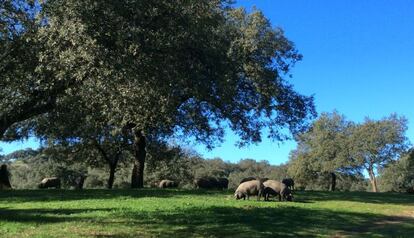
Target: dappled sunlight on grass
column 181, row 213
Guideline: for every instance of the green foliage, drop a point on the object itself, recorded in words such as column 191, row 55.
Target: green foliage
column 42, row 55
column 165, row 162
column 79, row 73
column 377, row 143
column 251, row 168
column 398, row 176
column 184, row 166
column 335, row 145
column 190, row 213
column 18, row 154
column 152, row 64
column 29, row 167
column 322, row 150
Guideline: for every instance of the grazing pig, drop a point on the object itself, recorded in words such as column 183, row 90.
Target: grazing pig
column 289, row 183
column 253, row 178
column 249, row 188
column 222, row 183
column 167, row 184
column 207, row 183
column 211, row 183
column 263, row 179
column 273, row 187
column 247, row 179
column 52, row 182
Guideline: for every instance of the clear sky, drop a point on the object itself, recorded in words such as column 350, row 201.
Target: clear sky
column 358, row 59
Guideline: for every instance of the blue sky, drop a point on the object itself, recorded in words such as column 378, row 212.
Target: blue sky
column 358, row 59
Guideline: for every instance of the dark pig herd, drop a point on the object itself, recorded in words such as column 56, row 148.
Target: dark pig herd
column 204, row 183
column 211, row 183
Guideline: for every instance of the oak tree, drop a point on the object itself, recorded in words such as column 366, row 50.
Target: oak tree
column 161, row 68
column 376, row 143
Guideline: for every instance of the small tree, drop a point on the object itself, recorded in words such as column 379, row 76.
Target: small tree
column 169, row 162
column 82, row 132
column 375, row 144
column 323, row 149
column 398, row 176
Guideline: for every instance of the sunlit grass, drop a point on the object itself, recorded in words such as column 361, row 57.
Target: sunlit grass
column 182, row 213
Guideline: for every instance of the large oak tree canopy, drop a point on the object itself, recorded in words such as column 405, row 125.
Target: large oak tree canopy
column 190, row 65
column 165, row 67
column 41, row 56
column 162, row 65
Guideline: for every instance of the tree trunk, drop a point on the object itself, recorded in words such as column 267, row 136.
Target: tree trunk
column 112, row 160
column 373, row 180
column 80, row 183
column 2, row 131
column 333, row 181
column 137, row 178
column 112, row 168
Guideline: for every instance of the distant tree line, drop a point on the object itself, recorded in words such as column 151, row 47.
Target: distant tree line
column 334, row 147
column 28, row 167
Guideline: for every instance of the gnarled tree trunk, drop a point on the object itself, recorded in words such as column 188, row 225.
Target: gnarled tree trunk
column 112, row 160
column 373, row 180
column 112, row 170
column 333, row 181
column 3, row 129
column 137, row 178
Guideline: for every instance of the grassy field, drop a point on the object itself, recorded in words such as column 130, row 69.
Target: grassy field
column 182, row 213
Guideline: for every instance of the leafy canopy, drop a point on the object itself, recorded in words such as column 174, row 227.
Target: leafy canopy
column 188, row 67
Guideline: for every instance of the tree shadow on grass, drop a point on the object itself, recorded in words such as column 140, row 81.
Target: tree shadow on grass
column 300, row 196
column 42, row 215
column 247, row 220
column 69, row 195
column 365, row 197
column 251, row 221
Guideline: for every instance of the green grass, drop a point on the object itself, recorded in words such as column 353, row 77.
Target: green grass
column 183, row 213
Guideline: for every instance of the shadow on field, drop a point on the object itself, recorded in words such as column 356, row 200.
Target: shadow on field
column 69, row 195
column 366, row 197
column 249, row 221
column 245, row 220
column 300, row 196
column 42, row 215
